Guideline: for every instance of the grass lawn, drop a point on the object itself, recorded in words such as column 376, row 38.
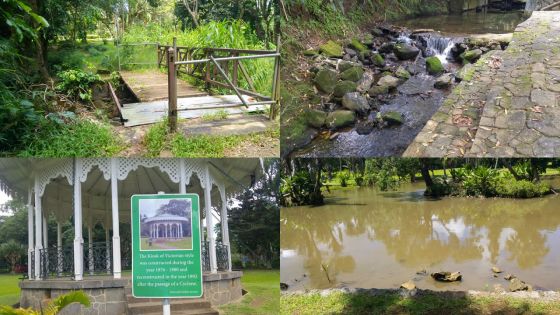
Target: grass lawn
column 185, row 243
column 263, row 294
column 428, row 303
column 9, row 289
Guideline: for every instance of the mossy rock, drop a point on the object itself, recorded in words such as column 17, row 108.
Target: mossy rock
column 405, row 51
column 364, row 55
column 466, row 73
column 332, row 49
column 434, row 66
column 352, row 74
column 471, row 56
column 368, row 40
column 344, row 87
column 326, row 80
column 378, row 90
column 402, row 73
column 310, row 53
column 378, row 60
column 345, row 65
column 393, row 118
column 315, row 118
column 357, row 45
column 340, row 118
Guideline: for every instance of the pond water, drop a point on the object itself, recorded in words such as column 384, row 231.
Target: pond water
column 364, row 238
column 468, row 23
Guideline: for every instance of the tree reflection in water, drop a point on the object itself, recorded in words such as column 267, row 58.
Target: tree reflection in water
column 360, row 231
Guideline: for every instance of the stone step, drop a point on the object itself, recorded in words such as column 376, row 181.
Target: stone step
column 131, row 300
column 194, row 306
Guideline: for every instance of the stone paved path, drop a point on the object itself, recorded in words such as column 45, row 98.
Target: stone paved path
column 509, row 105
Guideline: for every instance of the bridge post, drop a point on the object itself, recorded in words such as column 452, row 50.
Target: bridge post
column 172, row 90
column 276, row 83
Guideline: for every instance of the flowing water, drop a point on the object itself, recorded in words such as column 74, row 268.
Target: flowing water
column 417, row 100
column 363, row 238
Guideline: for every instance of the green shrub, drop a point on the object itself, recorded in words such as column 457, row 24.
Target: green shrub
column 297, row 189
column 521, row 189
column 343, row 177
column 439, row 189
column 481, row 181
column 77, row 84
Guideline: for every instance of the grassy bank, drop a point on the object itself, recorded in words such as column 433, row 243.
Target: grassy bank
column 262, row 297
column 431, row 303
column 9, row 289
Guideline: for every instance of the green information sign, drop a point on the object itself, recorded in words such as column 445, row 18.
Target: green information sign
column 166, row 246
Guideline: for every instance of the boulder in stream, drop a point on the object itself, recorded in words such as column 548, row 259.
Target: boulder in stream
column 378, row 90
column 326, row 80
column 446, row 276
column 405, row 51
column 331, row 49
column 471, row 56
column 409, row 285
column 377, row 60
column 352, row 74
column 444, row 81
column 315, row 118
column 389, row 81
column 340, row 118
column 465, row 73
column 392, row 118
column 343, row 87
column 434, row 66
column 386, row 48
column 496, row 270
column 357, row 45
column 402, row 73
column 517, row 285
column 356, row 102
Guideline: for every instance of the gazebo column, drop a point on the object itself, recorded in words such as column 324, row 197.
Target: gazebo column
column 157, row 230
column 78, row 239
column 91, row 267
column 209, row 223
column 58, row 248
column 46, row 240
column 115, row 210
column 38, row 233
column 225, row 227
column 30, row 229
column 107, row 249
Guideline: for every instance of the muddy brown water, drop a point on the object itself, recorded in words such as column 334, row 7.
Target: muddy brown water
column 365, row 238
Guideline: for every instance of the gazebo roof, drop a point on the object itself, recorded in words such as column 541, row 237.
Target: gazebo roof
column 166, row 217
column 135, row 175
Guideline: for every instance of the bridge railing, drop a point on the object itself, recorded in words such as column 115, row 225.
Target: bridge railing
column 218, row 67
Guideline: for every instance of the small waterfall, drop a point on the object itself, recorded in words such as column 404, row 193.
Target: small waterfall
column 529, row 5
column 440, row 47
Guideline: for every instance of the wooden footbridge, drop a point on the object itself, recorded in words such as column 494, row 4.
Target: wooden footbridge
column 169, row 95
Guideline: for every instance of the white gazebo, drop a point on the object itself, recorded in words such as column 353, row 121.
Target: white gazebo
column 166, row 226
column 92, row 191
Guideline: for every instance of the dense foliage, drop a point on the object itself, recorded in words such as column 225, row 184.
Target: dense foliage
column 253, row 221
column 506, row 178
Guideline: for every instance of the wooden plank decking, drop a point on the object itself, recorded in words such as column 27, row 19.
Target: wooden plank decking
column 144, row 113
column 149, row 86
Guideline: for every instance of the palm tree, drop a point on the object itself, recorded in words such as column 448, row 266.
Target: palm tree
column 53, row 307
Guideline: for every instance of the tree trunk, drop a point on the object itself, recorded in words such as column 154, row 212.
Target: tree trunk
column 40, row 46
column 425, row 171
column 192, row 12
